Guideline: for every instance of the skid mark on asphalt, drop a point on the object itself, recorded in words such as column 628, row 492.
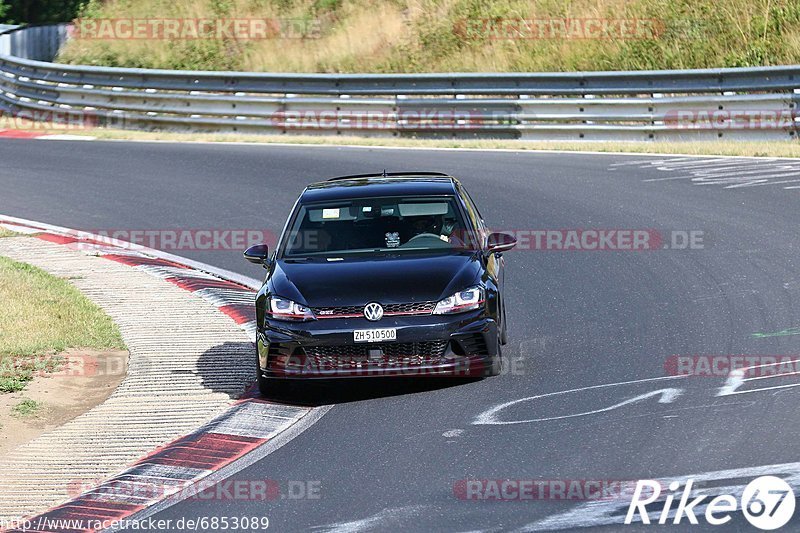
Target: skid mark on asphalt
column 730, row 173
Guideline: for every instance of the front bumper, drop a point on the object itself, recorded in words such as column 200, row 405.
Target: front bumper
column 462, row 345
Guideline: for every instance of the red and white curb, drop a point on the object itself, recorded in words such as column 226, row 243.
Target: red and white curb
column 251, row 429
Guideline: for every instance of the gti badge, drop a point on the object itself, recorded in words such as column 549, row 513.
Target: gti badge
column 373, row 311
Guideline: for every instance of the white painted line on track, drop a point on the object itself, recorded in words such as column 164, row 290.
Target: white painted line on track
column 733, row 173
column 736, row 378
column 667, row 395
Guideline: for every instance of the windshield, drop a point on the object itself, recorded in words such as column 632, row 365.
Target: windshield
column 386, row 224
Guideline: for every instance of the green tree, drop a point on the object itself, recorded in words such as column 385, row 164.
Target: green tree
column 3, row 11
column 38, row 11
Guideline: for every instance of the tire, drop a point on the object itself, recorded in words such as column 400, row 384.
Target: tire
column 503, row 327
column 497, row 361
column 263, row 384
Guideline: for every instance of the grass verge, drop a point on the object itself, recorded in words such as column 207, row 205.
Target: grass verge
column 732, row 148
column 41, row 316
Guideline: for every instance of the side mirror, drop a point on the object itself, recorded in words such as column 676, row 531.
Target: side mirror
column 258, row 254
column 500, row 242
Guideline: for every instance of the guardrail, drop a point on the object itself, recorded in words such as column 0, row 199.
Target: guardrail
column 743, row 103
column 5, row 39
column 33, row 42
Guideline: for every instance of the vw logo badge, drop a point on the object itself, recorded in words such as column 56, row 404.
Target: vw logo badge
column 373, row 311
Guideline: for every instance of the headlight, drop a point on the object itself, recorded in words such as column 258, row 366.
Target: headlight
column 283, row 309
column 465, row 300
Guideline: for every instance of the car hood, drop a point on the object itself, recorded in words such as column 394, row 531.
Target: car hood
column 358, row 281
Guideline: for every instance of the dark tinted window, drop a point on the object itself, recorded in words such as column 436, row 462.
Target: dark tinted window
column 385, row 224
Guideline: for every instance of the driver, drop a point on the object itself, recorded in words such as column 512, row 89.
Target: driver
column 426, row 224
column 439, row 226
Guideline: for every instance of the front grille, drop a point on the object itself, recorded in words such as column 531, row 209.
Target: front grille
column 412, row 308
column 377, row 355
column 395, row 349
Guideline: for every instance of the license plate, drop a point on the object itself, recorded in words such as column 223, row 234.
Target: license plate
column 375, row 335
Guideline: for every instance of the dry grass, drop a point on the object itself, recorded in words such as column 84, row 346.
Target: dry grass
column 428, row 35
column 734, row 148
column 365, row 38
column 41, row 316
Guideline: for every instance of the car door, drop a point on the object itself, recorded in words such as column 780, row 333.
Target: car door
column 495, row 263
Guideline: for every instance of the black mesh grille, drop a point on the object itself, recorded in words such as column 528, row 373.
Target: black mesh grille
column 418, row 307
column 422, row 308
column 377, row 355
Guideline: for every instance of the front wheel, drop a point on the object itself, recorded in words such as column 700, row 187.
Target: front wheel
column 497, row 360
column 503, row 322
column 263, row 383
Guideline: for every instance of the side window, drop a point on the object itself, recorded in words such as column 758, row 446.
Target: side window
column 475, row 208
column 474, row 215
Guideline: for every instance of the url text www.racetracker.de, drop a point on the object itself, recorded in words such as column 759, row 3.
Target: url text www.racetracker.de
column 197, row 523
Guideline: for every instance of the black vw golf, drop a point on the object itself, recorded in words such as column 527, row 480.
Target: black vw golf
column 381, row 275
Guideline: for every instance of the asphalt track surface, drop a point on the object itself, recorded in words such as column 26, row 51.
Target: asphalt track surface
column 389, row 454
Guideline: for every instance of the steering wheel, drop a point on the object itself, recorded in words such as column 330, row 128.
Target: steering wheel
column 424, row 235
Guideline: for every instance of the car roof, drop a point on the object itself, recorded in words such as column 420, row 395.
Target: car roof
column 384, row 184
